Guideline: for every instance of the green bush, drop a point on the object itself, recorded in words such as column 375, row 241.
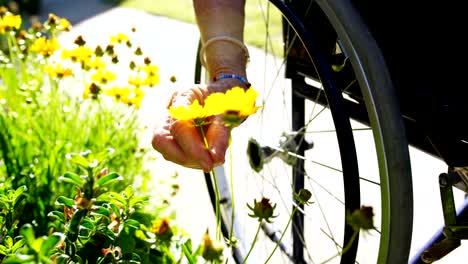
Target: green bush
column 69, row 116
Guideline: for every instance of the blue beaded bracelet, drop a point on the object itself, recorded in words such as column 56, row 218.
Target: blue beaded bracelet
column 232, row 76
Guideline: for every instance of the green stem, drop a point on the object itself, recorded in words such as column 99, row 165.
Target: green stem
column 282, row 235
column 216, row 190
column 232, row 190
column 253, row 242
column 188, row 254
column 346, row 248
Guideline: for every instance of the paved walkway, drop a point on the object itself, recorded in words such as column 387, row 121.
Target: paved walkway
column 172, row 45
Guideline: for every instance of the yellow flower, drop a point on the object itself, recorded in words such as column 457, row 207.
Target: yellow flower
column 194, row 112
column 58, row 71
column 134, row 98
column 9, row 22
column 119, row 38
column 150, row 70
column 91, row 90
column 45, row 46
column 65, row 25
column 80, row 53
column 136, row 80
column 152, row 80
column 95, row 63
column 118, row 92
column 103, row 76
column 235, row 105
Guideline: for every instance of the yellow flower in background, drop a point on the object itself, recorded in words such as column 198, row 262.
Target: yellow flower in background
column 94, row 63
column 134, row 98
column 91, row 90
column 152, row 80
column 118, row 92
column 134, row 101
column 9, row 22
column 136, row 80
column 64, row 24
column 80, row 54
column 119, row 38
column 58, row 71
column 194, row 113
column 45, row 46
column 103, row 76
column 150, row 70
column 235, row 105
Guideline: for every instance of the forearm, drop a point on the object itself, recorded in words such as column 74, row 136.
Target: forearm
column 222, row 18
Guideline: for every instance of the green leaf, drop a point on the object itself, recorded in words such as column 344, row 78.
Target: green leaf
column 108, row 179
column 128, row 192
column 72, row 178
column 118, row 198
column 37, row 244
column 57, row 216
column 65, row 201
column 115, row 209
column 8, row 242
column 132, row 223
column 101, row 211
column 50, row 243
column 19, row 192
column 88, row 224
column 187, row 251
column 104, row 154
column 19, row 244
column 4, row 204
column 109, row 233
column 27, row 232
column 62, row 259
column 79, row 160
column 4, row 250
column 74, row 226
column 20, row 259
column 138, row 201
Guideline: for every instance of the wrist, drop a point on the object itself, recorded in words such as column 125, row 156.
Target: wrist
column 224, row 54
column 222, row 85
column 241, row 78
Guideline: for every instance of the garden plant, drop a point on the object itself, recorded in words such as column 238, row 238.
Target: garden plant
column 70, row 151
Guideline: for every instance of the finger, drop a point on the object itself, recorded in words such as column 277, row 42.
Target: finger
column 165, row 144
column 188, row 138
column 218, row 139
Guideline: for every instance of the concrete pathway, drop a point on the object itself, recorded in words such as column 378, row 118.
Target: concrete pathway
column 172, row 45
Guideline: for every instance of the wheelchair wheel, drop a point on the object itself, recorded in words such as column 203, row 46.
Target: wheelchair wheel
column 330, row 123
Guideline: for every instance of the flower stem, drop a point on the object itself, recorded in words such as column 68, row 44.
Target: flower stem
column 232, row 190
column 253, row 242
column 346, row 248
column 216, row 191
column 282, row 235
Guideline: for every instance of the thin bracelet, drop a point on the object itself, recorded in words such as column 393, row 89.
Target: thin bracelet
column 235, row 41
column 232, row 76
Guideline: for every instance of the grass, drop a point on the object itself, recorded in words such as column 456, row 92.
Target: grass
column 255, row 25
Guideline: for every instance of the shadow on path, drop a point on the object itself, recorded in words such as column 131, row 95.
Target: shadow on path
column 73, row 10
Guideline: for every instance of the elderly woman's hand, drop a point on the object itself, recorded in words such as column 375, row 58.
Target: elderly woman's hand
column 182, row 143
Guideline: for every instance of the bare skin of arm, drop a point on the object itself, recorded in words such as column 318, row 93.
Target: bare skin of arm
column 180, row 142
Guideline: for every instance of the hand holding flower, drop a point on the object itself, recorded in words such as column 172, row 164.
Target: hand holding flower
column 196, row 131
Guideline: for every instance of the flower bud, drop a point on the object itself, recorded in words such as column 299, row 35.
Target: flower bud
column 211, row 250
column 262, row 210
column 362, row 218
